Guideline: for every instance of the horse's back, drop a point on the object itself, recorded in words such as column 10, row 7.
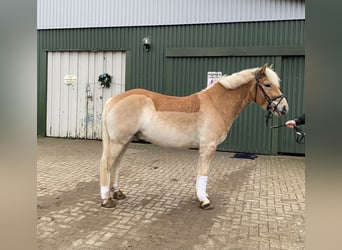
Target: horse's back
column 163, row 103
column 115, row 99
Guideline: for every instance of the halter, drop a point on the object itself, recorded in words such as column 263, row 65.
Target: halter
column 298, row 133
column 268, row 99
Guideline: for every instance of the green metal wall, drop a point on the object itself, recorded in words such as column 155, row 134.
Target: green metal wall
column 292, row 69
column 180, row 57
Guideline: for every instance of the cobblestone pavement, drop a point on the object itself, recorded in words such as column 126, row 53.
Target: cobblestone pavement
column 259, row 204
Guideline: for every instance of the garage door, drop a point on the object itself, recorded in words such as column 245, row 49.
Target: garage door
column 75, row 98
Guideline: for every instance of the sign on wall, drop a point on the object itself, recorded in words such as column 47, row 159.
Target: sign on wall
column 70, row 79
column 213, row 77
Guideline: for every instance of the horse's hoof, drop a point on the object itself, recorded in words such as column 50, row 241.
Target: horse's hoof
column 108, row 203
column 206, row 205
column 119, row 195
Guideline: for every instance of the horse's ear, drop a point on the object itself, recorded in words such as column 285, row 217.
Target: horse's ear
column 262, row 69
column 271, row 66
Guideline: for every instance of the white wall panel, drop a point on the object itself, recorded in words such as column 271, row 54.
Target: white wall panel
column 70, row 113
column 60, row 14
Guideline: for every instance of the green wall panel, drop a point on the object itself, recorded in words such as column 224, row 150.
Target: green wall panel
column 293, row 85
column 159, row 71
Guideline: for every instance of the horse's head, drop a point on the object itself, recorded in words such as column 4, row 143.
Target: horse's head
column 268, row 94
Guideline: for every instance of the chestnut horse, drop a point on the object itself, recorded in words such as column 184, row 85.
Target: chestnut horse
column 201, row 120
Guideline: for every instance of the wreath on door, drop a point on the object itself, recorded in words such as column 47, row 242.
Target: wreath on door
column 105, row 79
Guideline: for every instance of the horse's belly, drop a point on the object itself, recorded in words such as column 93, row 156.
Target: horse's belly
column 171, row 129
column 169, row 139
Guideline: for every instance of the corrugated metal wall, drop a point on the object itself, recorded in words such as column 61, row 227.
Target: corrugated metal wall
column 61, row 14
column 155, row 70
column 293, row 85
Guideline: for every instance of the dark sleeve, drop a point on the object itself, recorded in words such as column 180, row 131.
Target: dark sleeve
column 300, row 120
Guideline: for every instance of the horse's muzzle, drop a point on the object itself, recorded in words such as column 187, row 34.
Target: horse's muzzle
column 280, row 108
column 284, row 110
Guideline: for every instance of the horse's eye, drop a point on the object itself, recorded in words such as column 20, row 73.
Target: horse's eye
column 267, row 85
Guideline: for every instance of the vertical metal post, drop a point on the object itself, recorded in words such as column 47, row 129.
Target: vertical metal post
column 275, row 132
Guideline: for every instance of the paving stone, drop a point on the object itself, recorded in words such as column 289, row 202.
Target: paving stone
column 259, row 204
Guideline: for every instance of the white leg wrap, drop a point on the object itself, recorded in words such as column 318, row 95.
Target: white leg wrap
column 105, row 192
column 201, row 185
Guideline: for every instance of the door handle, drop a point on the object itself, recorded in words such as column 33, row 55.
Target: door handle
column 88, row 90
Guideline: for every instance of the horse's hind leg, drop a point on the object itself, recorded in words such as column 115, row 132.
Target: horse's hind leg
column 112, row 152
column 114, row 182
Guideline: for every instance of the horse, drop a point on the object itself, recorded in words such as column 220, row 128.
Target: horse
column 201, row 120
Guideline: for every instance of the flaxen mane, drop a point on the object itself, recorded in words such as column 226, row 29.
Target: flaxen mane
column 237, row 79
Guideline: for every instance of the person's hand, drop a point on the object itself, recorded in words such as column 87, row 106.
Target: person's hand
column 290, row 123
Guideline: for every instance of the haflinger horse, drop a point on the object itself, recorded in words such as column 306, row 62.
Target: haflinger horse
column 201, row 120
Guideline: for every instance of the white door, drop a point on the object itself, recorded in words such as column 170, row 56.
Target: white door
column 75, row 98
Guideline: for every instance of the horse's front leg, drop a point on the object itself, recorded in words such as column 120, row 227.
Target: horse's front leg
column 205, row 158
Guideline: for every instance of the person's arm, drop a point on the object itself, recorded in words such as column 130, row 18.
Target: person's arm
column 300, row 120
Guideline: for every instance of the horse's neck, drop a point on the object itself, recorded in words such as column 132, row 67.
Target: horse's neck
column 230, row 103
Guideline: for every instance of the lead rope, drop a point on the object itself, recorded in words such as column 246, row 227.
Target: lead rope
column 299, row 134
